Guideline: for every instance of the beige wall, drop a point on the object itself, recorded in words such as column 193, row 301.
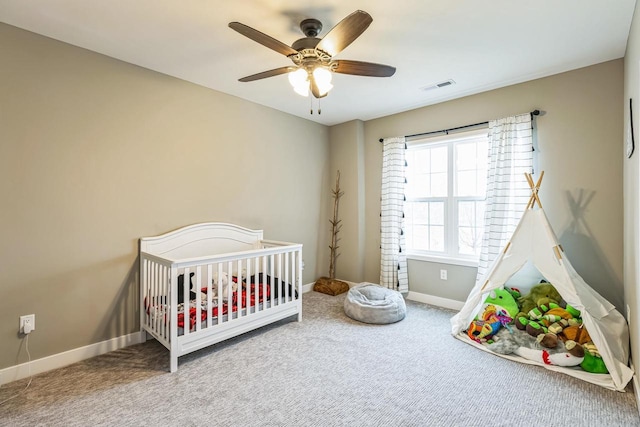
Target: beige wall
column 632, row 187
column 579, row 144
column 347, row 156
column 96, row 153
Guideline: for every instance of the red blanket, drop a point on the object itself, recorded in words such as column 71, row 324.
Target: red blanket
column 225, row 306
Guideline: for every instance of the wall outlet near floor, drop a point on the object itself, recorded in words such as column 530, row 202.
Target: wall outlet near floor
column 27, row 323
column 443, row 274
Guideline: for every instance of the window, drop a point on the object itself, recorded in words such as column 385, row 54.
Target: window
column 446, row 183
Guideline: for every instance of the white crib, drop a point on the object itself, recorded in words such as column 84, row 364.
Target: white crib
column 232, row 282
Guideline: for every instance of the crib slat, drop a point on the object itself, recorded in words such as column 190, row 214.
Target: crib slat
column 158, row 292
column 294, row 272
column 154, row 281
column 166, row 310
column 159, row 305
column 197, row 292
column 186, row 284
column 219, row 293
column 247, row 284
column 286, row 277
column 239, row 287
column 241, row 290
column 209, row 305
column 145, row 280
column 264, row 282
column 147, row 289
column 279, row 283
column 161, row 292
column 271, row 273
column 152, row 292
column 256, row 284
column 229, row 291
column 172, row 314
column 143, row 290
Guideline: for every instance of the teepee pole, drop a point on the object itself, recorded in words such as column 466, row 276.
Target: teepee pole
column 535, row 187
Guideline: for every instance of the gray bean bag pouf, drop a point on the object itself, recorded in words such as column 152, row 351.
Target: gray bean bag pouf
column 371, row 303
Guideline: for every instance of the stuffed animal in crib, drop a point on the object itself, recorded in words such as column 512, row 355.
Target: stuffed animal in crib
column 192, row 293
column 222, row 281
column 222, row 278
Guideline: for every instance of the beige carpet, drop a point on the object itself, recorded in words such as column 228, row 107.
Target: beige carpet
column 327, row 370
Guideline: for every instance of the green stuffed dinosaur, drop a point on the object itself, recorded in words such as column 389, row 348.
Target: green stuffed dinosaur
column 504, row 302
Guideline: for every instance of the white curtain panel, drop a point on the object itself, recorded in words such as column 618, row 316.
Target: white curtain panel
column 508, row 192
column 393, row 261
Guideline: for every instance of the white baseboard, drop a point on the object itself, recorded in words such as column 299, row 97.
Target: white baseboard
column 69, row 357
column 66, row 358
column 38, row 366
column 437, row 301
column 55, row 361
column 413, row 296
column 636, row 385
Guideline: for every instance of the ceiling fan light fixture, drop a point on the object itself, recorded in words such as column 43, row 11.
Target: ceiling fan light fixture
column 322, row 77
column 299, row 79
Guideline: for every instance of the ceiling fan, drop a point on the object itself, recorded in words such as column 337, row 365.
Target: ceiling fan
column 313, row 57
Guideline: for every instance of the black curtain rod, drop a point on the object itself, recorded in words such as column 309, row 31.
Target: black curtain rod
column 446, row 131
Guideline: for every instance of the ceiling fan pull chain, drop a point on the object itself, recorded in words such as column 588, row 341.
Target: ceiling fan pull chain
column 319, row 109
column 311, row 105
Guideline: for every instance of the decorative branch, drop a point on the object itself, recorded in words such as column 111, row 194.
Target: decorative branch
column 335, row 228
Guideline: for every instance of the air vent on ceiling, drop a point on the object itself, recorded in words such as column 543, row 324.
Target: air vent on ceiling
column 439, row 85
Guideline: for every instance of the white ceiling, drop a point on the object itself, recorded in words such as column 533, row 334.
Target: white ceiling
column 481, row 45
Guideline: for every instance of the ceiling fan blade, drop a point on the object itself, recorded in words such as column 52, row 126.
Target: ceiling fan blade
column 263, row 39
column 265, row 74
column 359, row 68
column 345, row 32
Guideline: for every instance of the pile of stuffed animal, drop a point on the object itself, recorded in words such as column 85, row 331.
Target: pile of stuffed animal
column 539, row 326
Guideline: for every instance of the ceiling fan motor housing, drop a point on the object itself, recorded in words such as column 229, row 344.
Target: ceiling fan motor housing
column 305, row 43
column 311, row 27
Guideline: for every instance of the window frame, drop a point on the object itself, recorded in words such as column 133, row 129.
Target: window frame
column 450, row 256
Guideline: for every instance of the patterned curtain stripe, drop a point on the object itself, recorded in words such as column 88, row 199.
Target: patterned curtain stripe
column 393, row 261
column 510, row 157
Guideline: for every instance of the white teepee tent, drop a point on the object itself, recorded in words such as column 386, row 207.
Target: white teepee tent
column 534, row 240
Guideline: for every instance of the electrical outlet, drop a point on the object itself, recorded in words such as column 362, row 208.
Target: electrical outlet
column 443, row 274
column 27, row 323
